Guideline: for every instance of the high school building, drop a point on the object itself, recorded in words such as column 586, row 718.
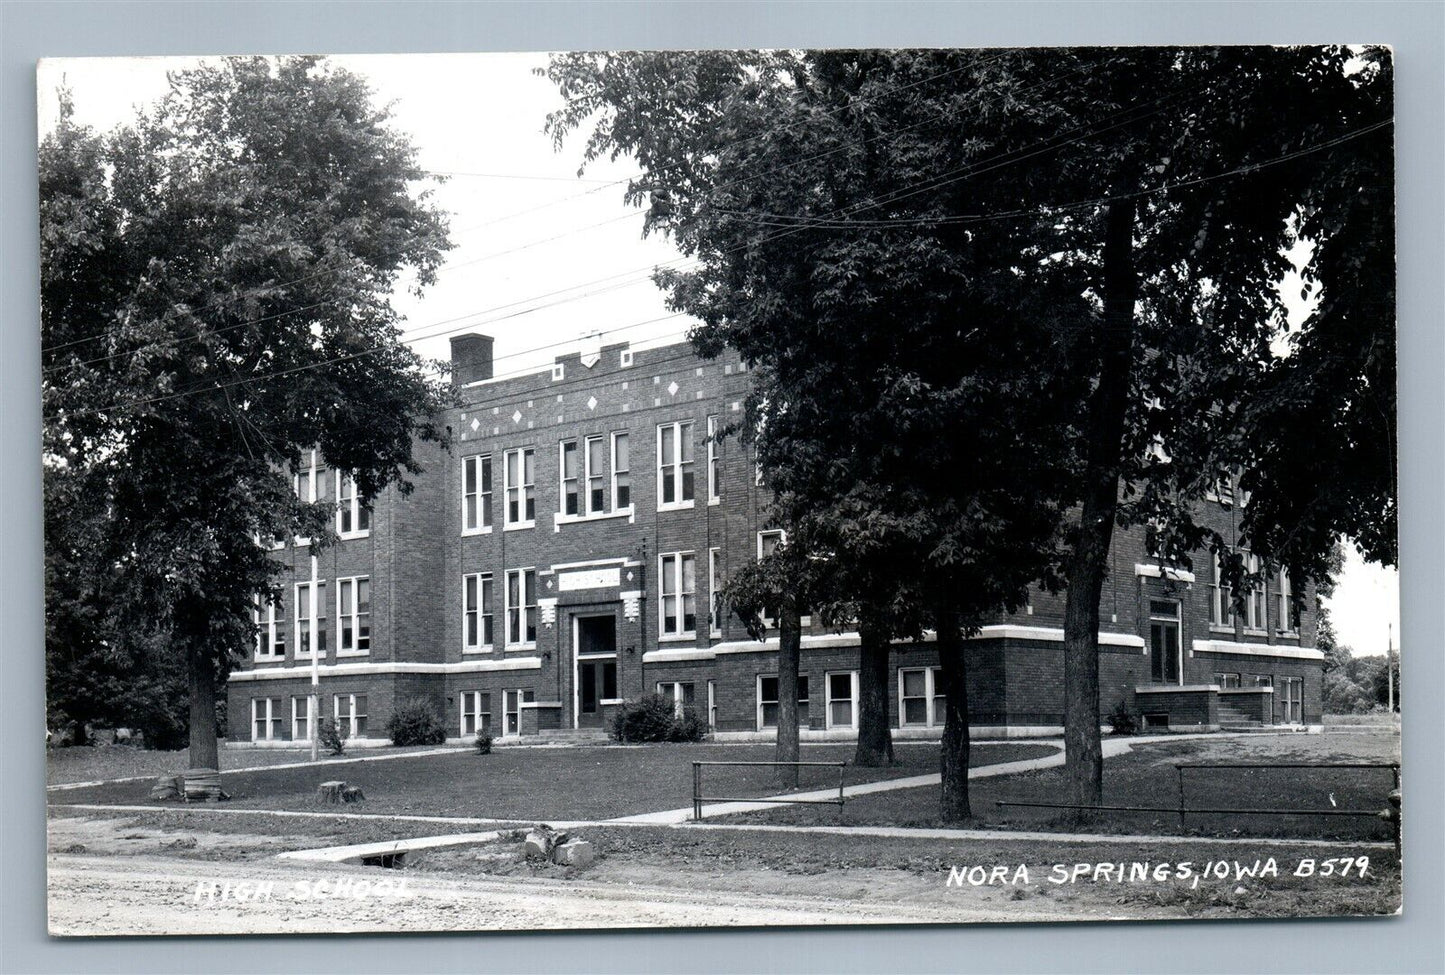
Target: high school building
column 565, row 556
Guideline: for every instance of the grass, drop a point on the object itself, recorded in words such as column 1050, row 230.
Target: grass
column 1380, row 719
column 538, row 784
column 1147, row 777
column 90, row 763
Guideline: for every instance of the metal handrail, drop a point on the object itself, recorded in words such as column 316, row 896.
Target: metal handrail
column 698, row 798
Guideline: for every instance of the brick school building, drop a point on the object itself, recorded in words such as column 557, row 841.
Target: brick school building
column 565, row 557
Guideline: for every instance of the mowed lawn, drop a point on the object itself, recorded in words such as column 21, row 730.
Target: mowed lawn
column 589, row 782
column 1147, row 777
column 95, row 763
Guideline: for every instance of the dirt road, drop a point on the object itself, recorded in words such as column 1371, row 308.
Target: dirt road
column 102, row 895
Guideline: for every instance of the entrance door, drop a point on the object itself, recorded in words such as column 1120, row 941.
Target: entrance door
column 596, row 654
column 1291, row 691
column 1164, row 645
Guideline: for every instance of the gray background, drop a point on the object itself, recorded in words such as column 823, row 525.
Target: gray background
column 1413, row 944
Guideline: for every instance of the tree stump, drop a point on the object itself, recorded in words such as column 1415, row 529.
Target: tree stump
column 330, row 791
column 202, row 784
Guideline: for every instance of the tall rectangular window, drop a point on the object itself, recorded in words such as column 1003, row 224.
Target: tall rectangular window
column 353, row 615
column 714, row 461
column 310, row 482
column 842, row 695
column 768, row 700
column 300, row 719
column 567, row 470
column 476, row 713
column 1254, row 604
column 353, row 519
column 310, row 618
column 265, row 719
column 621, row 472
column 596, row 475
column 521, row 607
column 270, row 628
column 477, row 493
column 1221, row 602
column 350, row 713
column 518, row 482
column 477, row 611
column 714, row 592
column 768, row 543
column 674, row 465
column 1283, row 603
column 678, row 575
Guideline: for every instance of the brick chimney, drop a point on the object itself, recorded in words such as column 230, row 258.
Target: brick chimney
column 471, row 358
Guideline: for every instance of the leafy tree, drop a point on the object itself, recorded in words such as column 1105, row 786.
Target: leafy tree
column 1118, row 220
column 782, row 581
column 894, row 374
column 215, row 282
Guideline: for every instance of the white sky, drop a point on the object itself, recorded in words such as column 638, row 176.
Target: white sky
column 483, row 114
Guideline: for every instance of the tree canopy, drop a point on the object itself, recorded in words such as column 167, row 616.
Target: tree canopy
column 1002, row 301
column 216, row 281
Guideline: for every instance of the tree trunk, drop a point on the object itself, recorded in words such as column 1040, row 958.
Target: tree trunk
column 1088, row 563
column 201, row 670
column 875, row 741
column 953, row 760
column 790, row 643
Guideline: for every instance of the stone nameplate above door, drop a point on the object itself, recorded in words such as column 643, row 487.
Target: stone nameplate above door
column 589, row 579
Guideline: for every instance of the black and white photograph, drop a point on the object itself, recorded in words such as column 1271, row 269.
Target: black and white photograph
column 726, row 488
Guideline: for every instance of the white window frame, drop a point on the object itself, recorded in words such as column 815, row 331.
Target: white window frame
column 521, row 608
column 575, row 480
column 297, row 718
column 589, row 476
column 620, row 508
column 312, row 476
column 524, row 490
column 932, row 677
column 352, row 714
column 350, row 505
column 485, row 611
column 474, row 465
column 272, row 719
column 714, row 595
column 679, row 593
column 1221, row 603
column 270, row 626
column 512, row 700
column 1255, row 606
column 673, row 688
column 676, row 472
column 313, row 604
column 772, row 622
column 1283, row 603
column 355, row 617
column 829, row 699
column 803, row 712
column 714, row 462
column 469, row 705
